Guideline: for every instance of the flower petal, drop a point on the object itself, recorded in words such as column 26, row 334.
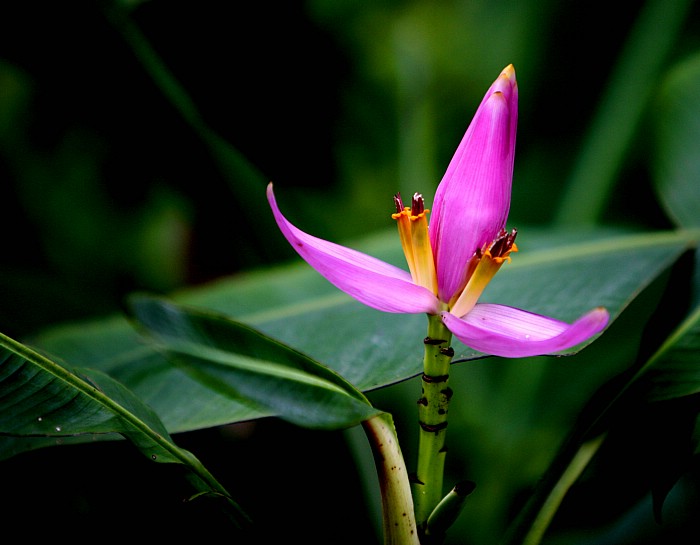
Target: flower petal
column 369, row 280
column 473, row 199
column 513, row 333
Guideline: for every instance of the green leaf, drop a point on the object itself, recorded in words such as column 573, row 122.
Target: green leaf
column 550, row 275
column 672, row 371
column 370, row 349
column 42, row 398
column 115, row 347
column 676, row 165
column 243, row 364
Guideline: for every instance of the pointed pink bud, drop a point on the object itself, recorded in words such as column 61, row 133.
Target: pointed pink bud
column 473, row 199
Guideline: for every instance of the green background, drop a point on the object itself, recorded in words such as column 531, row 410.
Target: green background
column 136, row 140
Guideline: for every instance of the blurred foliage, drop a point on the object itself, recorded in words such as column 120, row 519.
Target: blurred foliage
column 136, row 139
column 113, row 173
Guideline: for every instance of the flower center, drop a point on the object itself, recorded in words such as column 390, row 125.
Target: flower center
column 413, row 231
column 482, row 267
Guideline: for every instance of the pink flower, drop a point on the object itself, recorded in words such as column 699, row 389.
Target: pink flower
column 452, row 260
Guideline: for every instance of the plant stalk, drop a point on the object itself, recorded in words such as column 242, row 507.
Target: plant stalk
column 556, row 496
column 397, row 502
column 432, row 418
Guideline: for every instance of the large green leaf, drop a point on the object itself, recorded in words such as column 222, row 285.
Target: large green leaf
column 550, row 275
column 240, row 363
column 370, row 349
column 41, row 398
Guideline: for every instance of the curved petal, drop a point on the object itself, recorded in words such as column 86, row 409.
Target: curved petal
column 513, row 333
column 472, row 202
column 369, row 280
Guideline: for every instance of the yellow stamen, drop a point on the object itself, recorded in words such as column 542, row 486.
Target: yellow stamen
column 481, row 269
column 413, row 232
column 403, row 222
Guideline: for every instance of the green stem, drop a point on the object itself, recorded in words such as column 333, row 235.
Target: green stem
column 432, row 417
column 397, row 502
column 556, row 496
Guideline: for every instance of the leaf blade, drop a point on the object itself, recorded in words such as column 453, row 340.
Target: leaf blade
column 40, row 397
column 370, row 349
column 239, row 362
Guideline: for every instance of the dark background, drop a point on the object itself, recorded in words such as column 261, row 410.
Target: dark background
column 108, row 185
